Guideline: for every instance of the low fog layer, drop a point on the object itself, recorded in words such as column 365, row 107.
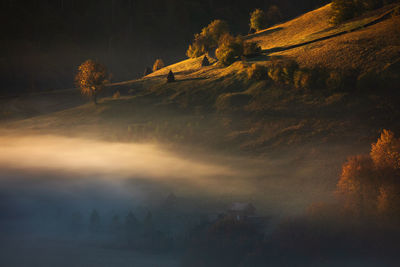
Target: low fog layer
column 101, row 158
column 115, row 164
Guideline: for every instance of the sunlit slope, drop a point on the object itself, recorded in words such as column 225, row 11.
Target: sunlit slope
column 369, row 42
column 221, row 107
column 294, row 31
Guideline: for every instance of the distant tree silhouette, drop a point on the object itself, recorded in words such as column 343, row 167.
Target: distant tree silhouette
column 94, row 221
column 76, row 221
column 147, row 71
column 274, row 15
column 158, row 64
column 115, row 224
column 148, row 223
column 131, row 223
column 91, row 78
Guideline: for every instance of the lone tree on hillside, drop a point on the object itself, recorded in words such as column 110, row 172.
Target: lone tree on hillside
column 258, row 20
column 91, row 78
column 158, row 64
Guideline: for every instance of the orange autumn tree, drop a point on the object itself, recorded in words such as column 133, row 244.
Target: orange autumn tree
column 91, row 78
column 370, row 184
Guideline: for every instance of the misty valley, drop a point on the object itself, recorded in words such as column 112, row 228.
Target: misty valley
column 199, row 133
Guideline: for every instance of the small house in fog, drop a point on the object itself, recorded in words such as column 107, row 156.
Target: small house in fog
column 241, row 210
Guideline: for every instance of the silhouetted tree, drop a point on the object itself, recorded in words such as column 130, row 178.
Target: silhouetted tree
column 115, row 224
column 147, row 71
column 94, row 221
column 274, row 15
column 148, row 223
column 131, row 223
column 76, row 221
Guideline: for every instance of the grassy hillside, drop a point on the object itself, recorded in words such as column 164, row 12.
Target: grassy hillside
column 221, row 107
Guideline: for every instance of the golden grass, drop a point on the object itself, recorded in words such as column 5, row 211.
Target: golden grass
column 371, row 48
column 294, row 31
column 309, row 27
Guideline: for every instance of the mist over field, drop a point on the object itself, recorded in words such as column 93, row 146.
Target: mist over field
column 199, row 133
column 46, row 179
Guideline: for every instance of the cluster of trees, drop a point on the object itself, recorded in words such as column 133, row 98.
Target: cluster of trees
column 288, row 72
column 216, row 37
column 127, row 231
column 228, row 48
column 343, row 10
column 370, row 184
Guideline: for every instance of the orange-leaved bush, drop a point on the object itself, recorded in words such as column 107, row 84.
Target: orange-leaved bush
column 370, row 184
column 158, row 64
column 229, row 49
column 386, row 151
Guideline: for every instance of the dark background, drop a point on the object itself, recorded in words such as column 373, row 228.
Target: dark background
column 43, row 41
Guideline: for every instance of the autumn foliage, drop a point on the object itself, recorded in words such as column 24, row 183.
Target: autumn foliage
column 158, row 64
column 207, row 40
column 370, row 184
column 91, row 78
column 258, row 20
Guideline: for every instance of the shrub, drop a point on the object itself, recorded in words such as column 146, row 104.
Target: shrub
column 230, row 48
column 338, row 80
column 282, row 71
column 302, row 79
column 258, row 20
column 385, row 153
column 158, row 64
column 207, row 39
column 251, row 49
column 368, row 81
column 357, row 184
column 91, row 78
column 232, row 101
column 396, row 11
column 343, row 10
column 257, row 72
column 116, row 95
